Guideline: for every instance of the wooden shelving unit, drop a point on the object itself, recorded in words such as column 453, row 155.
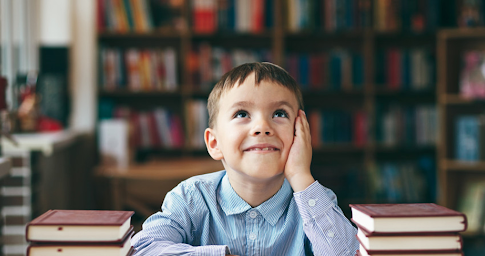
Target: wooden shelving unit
column 280, row 41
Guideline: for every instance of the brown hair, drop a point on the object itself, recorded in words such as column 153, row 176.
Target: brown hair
column 262, row 71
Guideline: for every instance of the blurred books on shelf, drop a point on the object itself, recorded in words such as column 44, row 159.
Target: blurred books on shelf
column 138, row 70
column 472, row 76
column 405, row 69
column 339, row 70
column 123, row 16
column 470, row 138
column 207, row 63
column 396, row 229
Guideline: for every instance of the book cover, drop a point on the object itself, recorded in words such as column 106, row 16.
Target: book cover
column 411, row 218
column 93, row 249
column 363, row 252
column 79, row 226
column 418, row 242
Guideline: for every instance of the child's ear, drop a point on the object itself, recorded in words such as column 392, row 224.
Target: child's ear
column 211, row 144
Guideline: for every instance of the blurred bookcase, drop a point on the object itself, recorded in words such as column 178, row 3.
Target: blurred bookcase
column 369, row 72
column 461, row 148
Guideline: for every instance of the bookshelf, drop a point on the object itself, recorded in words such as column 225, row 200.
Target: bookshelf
column 460, row 163
column 399, row 80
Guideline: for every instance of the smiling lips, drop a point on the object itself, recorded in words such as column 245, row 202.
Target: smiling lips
column 262, row 148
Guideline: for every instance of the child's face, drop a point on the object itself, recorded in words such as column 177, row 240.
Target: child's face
column 254, row 129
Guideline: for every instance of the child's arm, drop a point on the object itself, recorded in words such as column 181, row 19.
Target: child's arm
column 327, row 228
column 171, row 232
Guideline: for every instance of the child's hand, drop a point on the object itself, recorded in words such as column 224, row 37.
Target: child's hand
column 297, row 169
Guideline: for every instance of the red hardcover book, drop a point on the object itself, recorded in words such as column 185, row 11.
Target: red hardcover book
column 258, row 16
column 411, row 243
column 407, row 218
column 100, row 13
column 314, row 118
column 92, row 249
column 360, row 128
column 204, row 16
column 79, row 226
column 363, row 252
column 153, row 128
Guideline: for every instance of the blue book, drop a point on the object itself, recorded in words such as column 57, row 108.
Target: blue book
column 129, row 14
column 231, row 15
column 304, row 71
column 467, row 138
column 335, row 71
column 357, row 70
column 406, row 69
column 268, row 13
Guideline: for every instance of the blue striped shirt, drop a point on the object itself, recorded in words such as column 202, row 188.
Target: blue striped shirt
column 204, row 216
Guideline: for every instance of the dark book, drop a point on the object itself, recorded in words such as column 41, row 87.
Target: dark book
column 92, row 249
column 407, row 218
column 79, row 226
column 410, row 242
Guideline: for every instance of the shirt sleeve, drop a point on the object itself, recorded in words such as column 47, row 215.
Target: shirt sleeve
column 170, row 232
column 325, row 225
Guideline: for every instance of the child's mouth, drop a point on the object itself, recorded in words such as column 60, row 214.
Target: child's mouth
column 262, row 149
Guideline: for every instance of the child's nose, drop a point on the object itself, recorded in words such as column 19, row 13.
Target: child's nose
column 262, row 127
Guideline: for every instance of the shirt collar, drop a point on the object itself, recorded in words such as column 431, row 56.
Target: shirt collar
column 271, row 210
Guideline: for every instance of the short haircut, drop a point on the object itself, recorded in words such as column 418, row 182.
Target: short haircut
column 263, row 71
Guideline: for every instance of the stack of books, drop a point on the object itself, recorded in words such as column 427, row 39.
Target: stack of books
column 408, row 229
column 80, row 232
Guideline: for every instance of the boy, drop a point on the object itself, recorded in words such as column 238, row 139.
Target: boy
column 266, row 201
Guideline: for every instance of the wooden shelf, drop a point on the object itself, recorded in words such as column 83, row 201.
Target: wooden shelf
column 462, row 33
column 142, row 35
column 456, row 99
column 457, row 166
column 128, row 93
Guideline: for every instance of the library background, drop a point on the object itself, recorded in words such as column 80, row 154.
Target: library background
column 103, row 102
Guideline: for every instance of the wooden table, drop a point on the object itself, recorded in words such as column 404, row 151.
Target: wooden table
column 143, row 187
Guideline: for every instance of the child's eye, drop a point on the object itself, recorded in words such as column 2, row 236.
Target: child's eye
column 241, row 114
column 280, row 113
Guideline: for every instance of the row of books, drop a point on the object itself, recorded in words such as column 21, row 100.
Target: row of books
column 472, row 75
column 80, row 232
column 123, row 16
column 409, row 15
column 408, row 229
column 403, row 181
column 207, row 63
column 139, row 69
column 328, row 15
column 470, row 138
column 406, row 125
column 334, row 70
column 405, row 69
column 337, row 126
column 242, row 16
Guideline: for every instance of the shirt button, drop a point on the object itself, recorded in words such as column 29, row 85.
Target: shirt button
column 330, row 234
column 312, row 202
column 252, row 236
column 253, row 215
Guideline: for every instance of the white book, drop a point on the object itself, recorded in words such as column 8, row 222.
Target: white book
column 170, row 61
column 163, row 127
column 113, row 142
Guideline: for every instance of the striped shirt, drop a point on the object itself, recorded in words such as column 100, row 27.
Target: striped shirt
column 204, row 216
